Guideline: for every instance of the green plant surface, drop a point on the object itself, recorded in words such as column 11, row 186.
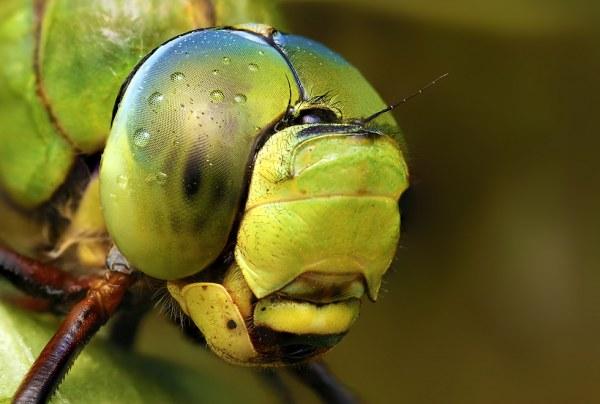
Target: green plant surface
column 106, row 374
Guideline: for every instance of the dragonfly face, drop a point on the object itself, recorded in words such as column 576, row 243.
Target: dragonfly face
column 239, row 171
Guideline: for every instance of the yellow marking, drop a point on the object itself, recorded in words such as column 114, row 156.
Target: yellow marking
column 214, row 312
column 306, row 318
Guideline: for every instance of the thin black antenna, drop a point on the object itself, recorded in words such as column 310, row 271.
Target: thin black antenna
column 402, row 101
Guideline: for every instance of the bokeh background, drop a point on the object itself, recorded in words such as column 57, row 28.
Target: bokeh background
column 495, row 293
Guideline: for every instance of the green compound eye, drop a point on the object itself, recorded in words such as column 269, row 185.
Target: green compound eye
column 174, row 168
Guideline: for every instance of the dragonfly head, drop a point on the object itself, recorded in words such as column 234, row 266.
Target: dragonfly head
column 238, row 170
column 319, row 230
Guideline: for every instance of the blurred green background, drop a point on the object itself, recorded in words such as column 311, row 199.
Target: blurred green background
column 494, row 297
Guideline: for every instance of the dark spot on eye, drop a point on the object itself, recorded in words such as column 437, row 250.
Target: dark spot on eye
column 231, row 324
column 263, row 309
column 204, row 287
column 192, row 175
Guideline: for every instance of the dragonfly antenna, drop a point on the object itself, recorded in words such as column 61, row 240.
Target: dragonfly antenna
column 405, row 99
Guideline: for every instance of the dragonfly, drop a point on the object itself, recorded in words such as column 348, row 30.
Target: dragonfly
column 191, row 150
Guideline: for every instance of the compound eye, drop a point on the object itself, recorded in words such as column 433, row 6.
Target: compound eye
column 174, row 168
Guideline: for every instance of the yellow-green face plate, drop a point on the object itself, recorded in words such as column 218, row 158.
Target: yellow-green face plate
column 329, row 206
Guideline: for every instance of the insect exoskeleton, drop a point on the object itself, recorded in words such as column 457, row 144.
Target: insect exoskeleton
column 239, row 171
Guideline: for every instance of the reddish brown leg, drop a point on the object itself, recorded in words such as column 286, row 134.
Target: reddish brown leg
column 28, row 303
column 40, row 279
column 82, row 322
